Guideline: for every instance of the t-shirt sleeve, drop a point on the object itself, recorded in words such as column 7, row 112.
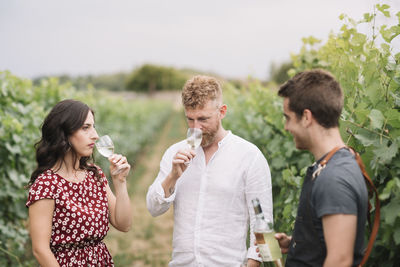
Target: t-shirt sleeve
column 333, row 193
column 42, row 188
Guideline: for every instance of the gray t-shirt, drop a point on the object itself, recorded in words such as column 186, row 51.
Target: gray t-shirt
column 340, row 189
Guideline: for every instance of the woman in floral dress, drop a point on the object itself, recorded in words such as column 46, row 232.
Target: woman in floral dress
column 70, row 202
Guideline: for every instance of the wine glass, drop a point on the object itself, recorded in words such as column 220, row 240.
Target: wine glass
column 105, row 146
column 193, row 139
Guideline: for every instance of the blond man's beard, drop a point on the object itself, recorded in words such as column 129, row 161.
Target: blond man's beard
column 209, row 138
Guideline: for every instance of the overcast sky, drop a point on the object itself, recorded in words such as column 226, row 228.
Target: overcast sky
column 230, row 37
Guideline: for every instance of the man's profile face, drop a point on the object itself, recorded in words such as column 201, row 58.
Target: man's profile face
column 294, row 126
column 207, row 119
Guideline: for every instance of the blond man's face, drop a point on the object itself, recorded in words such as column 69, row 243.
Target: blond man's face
column 207, row 118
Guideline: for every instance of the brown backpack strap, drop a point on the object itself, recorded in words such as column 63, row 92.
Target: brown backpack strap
column 325, row 160
column 371, row 191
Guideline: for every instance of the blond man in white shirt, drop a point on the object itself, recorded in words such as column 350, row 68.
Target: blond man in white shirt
column 212, row 194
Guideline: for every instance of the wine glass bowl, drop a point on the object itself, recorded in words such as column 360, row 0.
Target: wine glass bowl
column 105, row 146
column 194, row 137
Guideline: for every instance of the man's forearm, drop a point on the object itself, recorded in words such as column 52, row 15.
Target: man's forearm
column 169, row 185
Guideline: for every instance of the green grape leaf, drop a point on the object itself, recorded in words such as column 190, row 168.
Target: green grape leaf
column 372, row 91
column 393, row 117
column 386, row 154
column 361, row 111
column 389, row 34
column 365, row 137
column 382, row 8
column 311, row 40
column 387, row 192
column 376, row 118
column 385, row 48
column 367, row 17
column 358, row 39
column 14, row 149
column 391, row 212
column 396, row 235
column 13, row 175
column 396, row 99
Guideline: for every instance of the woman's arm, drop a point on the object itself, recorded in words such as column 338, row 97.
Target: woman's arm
column 119, row 204
column 40, row 224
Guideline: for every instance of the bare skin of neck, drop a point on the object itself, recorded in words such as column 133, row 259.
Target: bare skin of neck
column 323, row 140
column 69, row 169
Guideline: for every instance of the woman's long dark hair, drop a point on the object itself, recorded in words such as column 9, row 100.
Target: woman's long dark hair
column 65, row 118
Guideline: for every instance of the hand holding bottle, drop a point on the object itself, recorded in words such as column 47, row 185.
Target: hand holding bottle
column 284, row 241
column 267, row 244
column 252, row 263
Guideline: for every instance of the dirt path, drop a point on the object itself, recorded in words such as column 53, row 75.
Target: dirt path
column 149, row 242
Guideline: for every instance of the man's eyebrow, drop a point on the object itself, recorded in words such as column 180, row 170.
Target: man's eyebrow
column 201, row 117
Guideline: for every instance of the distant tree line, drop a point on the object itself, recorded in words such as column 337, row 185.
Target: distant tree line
column 146, row 78
column 152, row 78
column 279, row 72
column 113, row 82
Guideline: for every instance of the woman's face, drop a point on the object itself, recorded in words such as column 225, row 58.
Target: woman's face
column 82, row 141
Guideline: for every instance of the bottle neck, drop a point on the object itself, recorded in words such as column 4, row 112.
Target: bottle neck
column 261, row 225
column 260, row 216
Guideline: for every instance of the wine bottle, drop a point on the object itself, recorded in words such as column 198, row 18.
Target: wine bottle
column 266, row 242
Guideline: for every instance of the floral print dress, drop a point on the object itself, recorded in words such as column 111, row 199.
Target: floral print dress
column 80, row 218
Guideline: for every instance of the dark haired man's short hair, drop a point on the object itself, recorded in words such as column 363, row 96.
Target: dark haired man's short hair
column 315, row 90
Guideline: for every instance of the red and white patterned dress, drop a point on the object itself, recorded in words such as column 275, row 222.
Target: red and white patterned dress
column 80, row 218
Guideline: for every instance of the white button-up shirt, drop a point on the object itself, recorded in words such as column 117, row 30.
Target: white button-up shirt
column 212, row 203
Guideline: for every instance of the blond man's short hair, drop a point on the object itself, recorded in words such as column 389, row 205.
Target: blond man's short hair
column 199, row 90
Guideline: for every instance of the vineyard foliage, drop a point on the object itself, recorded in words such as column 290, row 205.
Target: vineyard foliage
column 368, row 69
column 23, row 106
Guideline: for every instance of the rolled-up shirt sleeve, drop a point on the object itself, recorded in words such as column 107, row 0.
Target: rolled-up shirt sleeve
column 157, row 203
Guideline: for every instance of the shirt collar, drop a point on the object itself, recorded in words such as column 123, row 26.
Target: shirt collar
column 224, row 140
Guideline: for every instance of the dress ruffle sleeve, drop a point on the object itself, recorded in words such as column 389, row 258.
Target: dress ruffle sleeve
column 43, row 187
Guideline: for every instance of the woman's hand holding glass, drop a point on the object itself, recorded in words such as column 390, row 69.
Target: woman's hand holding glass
column 119, row 166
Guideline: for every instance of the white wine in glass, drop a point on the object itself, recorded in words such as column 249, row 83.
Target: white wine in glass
column 193, row 139
column 105, row 146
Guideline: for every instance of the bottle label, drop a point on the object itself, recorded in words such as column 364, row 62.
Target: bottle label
column 268, row 246
column 265, row 252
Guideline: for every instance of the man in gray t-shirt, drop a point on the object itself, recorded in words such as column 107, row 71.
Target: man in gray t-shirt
column 338, row 189
column 330, row 222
